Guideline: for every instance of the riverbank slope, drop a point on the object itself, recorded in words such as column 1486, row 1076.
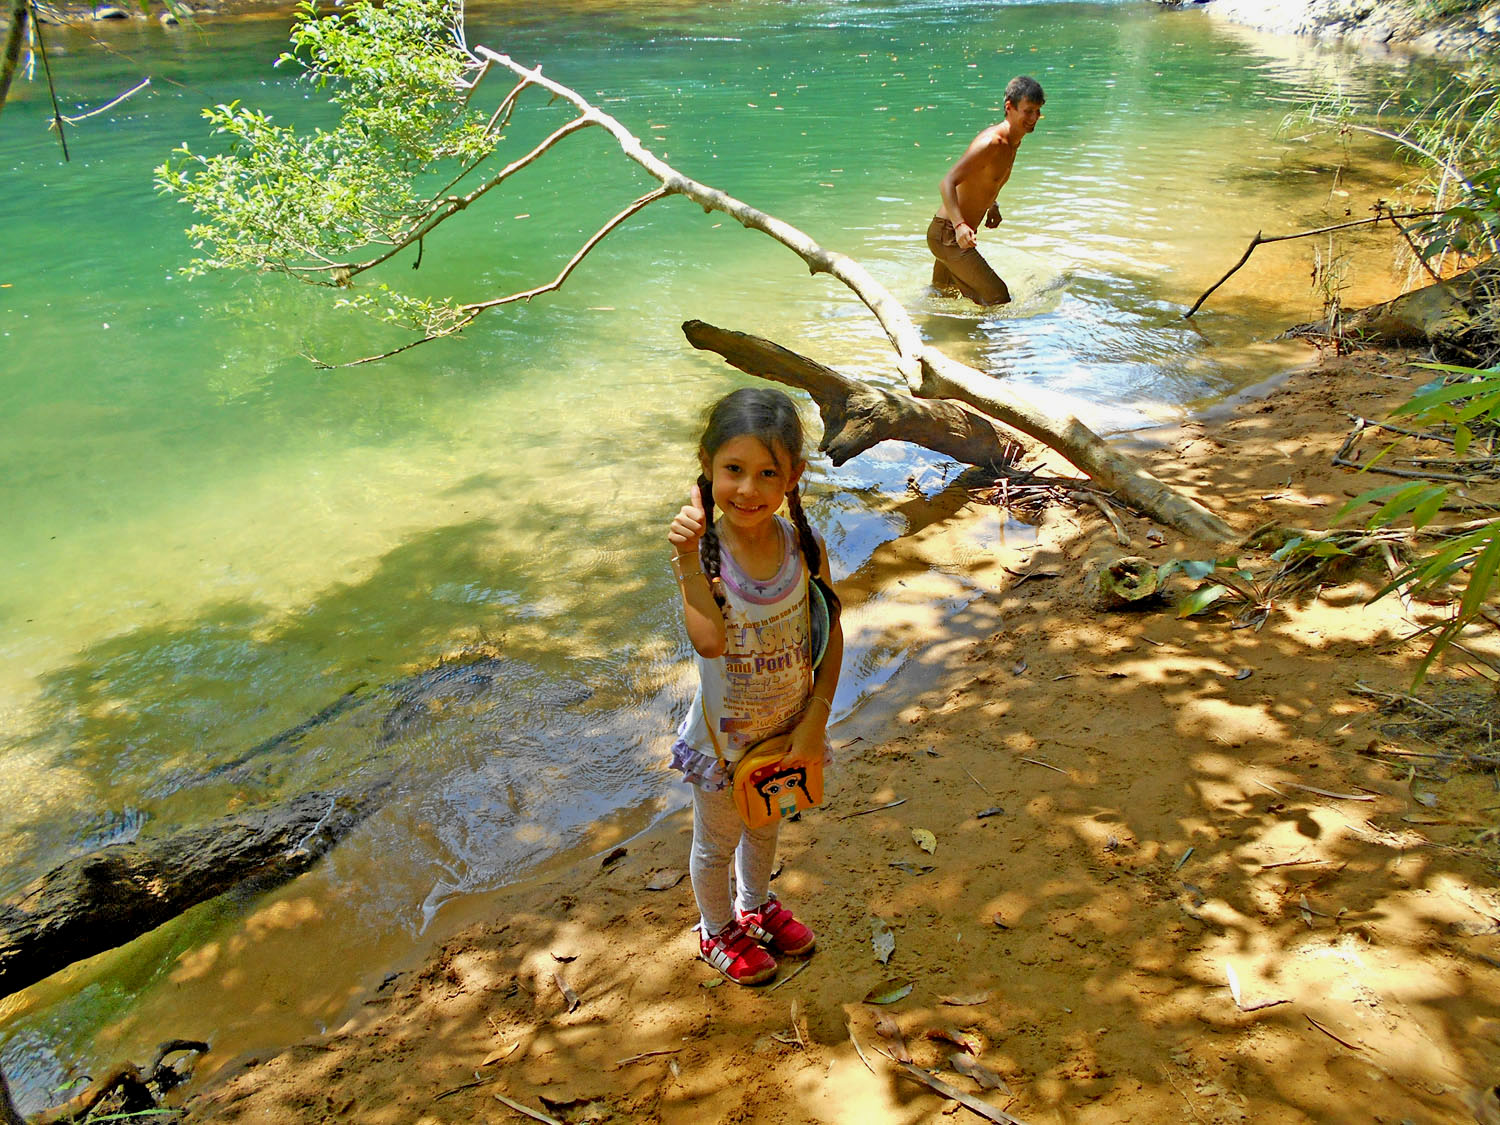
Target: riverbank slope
column 1399, row 23
column 1175, row 875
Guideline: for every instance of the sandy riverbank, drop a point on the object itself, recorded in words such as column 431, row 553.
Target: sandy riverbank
column 1181, row 800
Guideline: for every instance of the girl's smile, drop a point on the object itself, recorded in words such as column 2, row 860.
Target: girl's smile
column 750, row 483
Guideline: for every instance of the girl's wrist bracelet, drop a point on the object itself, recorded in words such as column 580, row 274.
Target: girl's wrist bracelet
column 683, row 573
column 811, row 699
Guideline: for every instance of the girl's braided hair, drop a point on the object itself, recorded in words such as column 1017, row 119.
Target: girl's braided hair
column 771, row 418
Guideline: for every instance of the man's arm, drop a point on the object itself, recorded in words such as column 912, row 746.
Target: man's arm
column 969, row 181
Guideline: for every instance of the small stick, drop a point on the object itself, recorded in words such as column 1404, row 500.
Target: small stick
column 529, row 1112
column 465, row 1086
column 789, row 976
column 646, row 1055
column 976, row 781
column 1261, row 239
column 877, row 808
column 1330, row 1034
column 1407, row 474
column 1045, row 765
column 1362, row 422
column 1264, row 1004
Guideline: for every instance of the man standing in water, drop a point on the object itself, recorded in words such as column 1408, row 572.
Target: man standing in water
column 969, row 190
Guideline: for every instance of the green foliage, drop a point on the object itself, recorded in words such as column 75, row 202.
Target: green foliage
column 1455, row 135
column 303, row 203
column 1463, row 399
column 1299, row 560
column 1441, row 9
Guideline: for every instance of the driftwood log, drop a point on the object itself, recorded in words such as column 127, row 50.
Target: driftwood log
column 108, row 897
column 856, row 415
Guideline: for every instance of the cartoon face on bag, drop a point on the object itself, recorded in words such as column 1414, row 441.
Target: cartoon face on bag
column 778, row 786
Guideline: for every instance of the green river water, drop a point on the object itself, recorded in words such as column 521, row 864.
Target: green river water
column 204, row 540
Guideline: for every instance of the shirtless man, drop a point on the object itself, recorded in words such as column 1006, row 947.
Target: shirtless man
column 969, row 190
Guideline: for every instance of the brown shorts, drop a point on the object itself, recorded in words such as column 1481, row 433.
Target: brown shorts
column 964, row 270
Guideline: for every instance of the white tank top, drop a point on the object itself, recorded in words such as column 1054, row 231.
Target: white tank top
column 760, row 685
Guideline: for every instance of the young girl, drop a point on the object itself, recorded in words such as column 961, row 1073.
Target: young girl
column 744, row 585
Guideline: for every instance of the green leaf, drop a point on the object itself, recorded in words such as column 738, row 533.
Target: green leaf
column 1481, row 577
column 1291, row 546
column 1423, row 513
column 1200, row 600
column 889, row 992
column 1407, row 500
column 1369, row 498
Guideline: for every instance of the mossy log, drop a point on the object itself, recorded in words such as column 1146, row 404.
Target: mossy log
column 106, row 898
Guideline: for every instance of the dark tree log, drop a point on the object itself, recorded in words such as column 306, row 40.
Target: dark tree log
column 856, row 415
column 108, row 897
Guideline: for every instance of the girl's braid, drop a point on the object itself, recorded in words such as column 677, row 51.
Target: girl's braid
column 708, row 546
column 810, row 549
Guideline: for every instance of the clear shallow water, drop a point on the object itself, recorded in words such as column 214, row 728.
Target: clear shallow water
column 205, row 540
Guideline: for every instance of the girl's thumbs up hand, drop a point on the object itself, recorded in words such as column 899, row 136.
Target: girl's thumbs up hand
column 688, row 525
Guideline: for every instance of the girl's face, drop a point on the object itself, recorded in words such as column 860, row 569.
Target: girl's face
column 749, row 481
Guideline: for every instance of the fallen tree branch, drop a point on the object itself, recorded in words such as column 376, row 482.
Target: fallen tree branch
column 104, row 899
column 468, row 313
column 927, row 371
column 855, row 415
column 1262, row 240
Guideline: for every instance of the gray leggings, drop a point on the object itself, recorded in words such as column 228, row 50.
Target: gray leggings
column 719, row 835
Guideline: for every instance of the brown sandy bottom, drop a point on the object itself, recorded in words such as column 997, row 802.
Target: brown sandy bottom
column 1184, row 804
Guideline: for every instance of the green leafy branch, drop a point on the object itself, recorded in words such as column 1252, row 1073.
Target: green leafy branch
column 1301, row 561
column 1464, row 400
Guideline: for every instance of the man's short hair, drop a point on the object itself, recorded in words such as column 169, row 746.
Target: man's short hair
column 1024, row 89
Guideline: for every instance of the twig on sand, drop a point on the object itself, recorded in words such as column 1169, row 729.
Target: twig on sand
column 466, row 1086
column 789, row 976
column 645, row 1055
column 877, row 808
column 977, row 782
column 984, row 1109
column 1264, row 1004
column 535, row 1115
column 1045, row 765
column 1330, row 1034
